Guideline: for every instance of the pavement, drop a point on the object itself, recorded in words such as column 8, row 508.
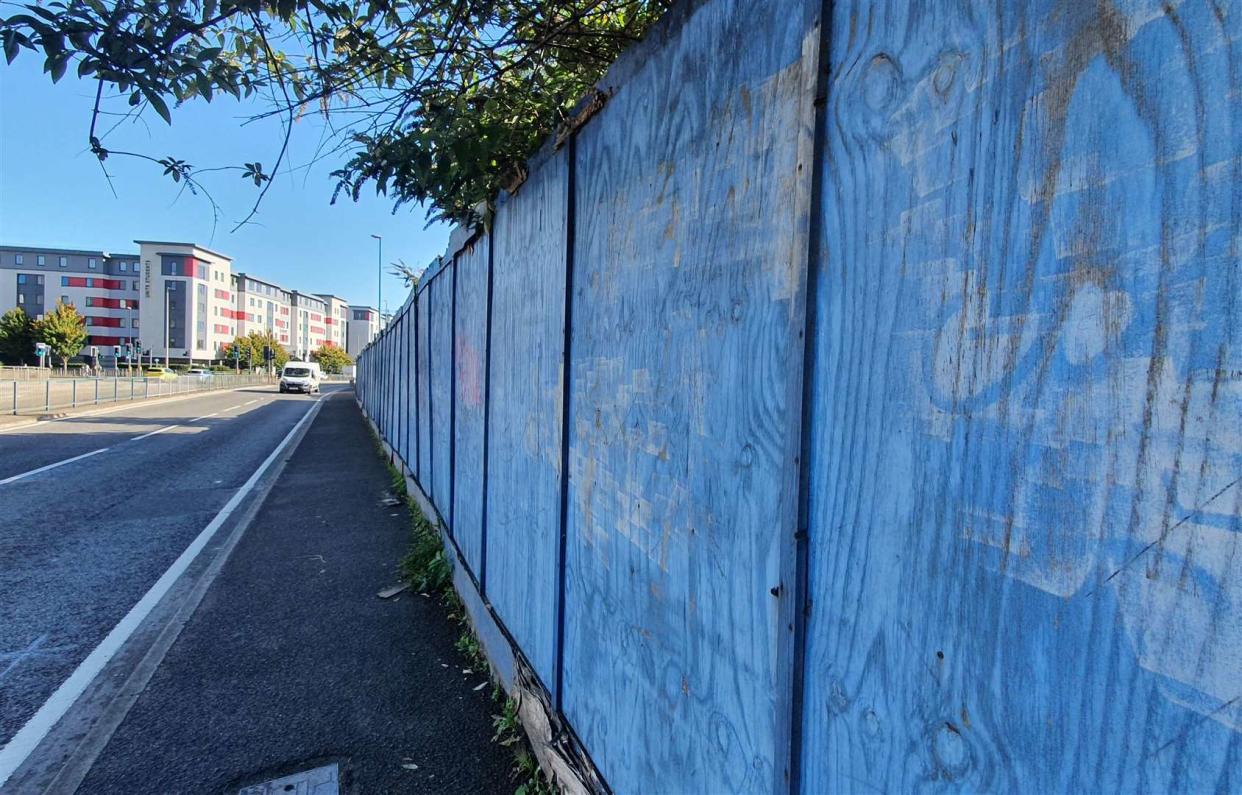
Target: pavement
column 269, row 652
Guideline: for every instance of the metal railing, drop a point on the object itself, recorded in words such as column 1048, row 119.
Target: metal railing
column 58, row 394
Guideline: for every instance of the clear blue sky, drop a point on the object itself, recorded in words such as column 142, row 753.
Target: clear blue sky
column 53, row 193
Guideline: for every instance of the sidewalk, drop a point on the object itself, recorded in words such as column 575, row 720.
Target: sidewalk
column 292, row 662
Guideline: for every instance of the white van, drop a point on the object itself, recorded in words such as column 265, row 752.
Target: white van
column 300, row 377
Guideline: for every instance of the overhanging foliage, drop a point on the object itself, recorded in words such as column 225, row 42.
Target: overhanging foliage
column 433, row 101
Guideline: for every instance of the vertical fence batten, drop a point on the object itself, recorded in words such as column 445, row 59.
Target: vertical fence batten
column 854, row 406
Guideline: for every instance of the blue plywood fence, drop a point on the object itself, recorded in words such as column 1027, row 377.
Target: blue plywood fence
column 854, row 402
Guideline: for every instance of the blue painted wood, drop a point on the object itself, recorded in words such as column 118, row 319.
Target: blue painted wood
column 470, row 354
column 1026, row 544
column 524, row 427
column 441, row 294
column 424, row 392
column 687, row 277
column 410, row 366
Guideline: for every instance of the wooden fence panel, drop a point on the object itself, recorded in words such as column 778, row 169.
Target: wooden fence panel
column 1026, row 555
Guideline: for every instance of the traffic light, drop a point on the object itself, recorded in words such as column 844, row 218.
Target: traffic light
column 236, row 353
column 41, row 349
column 94, row 351
column 268, row 353
column 116, row 351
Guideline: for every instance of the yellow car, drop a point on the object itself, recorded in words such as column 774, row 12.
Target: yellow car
column 159, row 374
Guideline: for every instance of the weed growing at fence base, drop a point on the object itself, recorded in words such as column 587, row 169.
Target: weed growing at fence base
column 426, row 566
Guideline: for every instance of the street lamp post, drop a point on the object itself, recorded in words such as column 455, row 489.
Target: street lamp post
column 379, row 271
column 166, row 312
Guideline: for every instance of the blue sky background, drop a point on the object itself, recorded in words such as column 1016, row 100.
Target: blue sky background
column 53, row 193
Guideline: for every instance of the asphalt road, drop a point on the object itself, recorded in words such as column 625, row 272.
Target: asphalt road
column 270, row 654
column 81, row 543
column 293, row 661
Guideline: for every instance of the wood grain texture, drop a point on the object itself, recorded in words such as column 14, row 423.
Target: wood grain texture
column 686, row 283
column 408, row 369
column 524, row 427
column 1025, row 559
column 469, row 357
column 440, row 293
column 424, row 391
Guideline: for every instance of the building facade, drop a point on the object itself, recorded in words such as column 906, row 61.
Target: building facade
column 309, row 330
column 363, row 327
column 184, row 288
column 337, row 320
column 263, row 306
column 180, row 301
column 103, row 287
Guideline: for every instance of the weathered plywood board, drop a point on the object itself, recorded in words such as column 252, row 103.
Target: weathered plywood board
column 409, row 366
column 686, row 286
column 524, row 426
column 440, row 292
column 424, row 390
column 470, row 355
column 1025, row 543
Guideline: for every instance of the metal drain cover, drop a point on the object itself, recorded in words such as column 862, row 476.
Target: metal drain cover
column 316, row 781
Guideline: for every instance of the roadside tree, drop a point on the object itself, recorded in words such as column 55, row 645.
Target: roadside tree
column 331, row 358
column 251, row 349
column 16, row 337
column 63, row 330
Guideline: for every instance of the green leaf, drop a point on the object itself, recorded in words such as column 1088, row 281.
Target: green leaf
column 158, row 103
column 58, row 66
column 204, row 85
column 10, row 46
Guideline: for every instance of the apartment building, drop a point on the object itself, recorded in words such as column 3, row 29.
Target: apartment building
column 182, row 301
column 263, row 306
column 363, row 327
column 184, row 288
column 103, row 287
column 337, row 320
column 309, row 330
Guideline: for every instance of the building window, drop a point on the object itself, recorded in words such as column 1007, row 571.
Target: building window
column 135, row 281
column 62, row 262
column 90, row 263
column 17, row 259
column 21, row 278
column 38, row 298
column 21, row 298
column 134, row 322
column 64, row 299
column 40, row 260
column 124, row 266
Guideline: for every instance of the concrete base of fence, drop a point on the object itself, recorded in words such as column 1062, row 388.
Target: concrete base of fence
column 560, row 755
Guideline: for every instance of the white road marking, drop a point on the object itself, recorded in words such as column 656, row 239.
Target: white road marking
column 29, row 736
column 53, row 466
column 152, row 433
column 205, row 416
column 248, row 402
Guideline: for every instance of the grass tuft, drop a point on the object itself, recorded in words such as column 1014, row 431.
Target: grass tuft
column 428, row 569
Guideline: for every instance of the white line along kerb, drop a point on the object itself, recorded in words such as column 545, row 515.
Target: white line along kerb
column 29, row 736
